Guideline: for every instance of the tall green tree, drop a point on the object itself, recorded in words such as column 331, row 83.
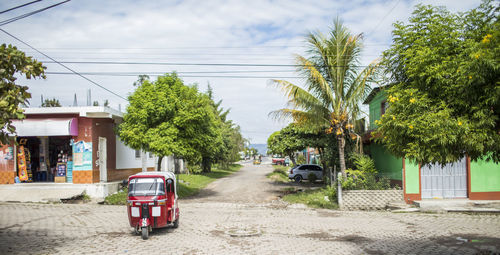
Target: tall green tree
column 445, row 101
column 335, row 85
column 12, row 95
column 167, row 117
column 287, row 141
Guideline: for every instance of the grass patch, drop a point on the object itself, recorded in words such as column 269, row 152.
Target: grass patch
column 280, row 174
column 314, row 198
column 119, row 198
column 189, row 184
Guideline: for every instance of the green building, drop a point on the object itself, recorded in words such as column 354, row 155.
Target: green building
column 462, row 179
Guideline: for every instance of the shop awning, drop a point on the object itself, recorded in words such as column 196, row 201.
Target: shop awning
column 46, row 127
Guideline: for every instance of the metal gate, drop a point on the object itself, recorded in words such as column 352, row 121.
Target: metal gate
column 449, row 181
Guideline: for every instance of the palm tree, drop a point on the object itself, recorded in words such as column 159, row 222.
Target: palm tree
column 334, row 85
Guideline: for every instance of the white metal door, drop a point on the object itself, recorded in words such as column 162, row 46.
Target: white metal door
column 102, row 159
column 449, row 181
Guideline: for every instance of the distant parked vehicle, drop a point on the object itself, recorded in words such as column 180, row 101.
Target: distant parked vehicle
column 278, row 161
column 301, row 172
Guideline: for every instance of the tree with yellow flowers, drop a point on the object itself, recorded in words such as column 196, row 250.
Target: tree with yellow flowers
column 445, row 101
column 335, row 85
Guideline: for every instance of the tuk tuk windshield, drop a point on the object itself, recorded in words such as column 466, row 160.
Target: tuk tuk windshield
column 146, row 187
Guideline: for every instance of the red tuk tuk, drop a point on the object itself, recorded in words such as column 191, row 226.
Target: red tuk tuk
column 152, row 202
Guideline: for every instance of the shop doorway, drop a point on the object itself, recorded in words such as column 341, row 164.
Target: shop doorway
column 42, row 159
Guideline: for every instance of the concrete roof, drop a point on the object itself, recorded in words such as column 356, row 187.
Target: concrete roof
column 82, row 111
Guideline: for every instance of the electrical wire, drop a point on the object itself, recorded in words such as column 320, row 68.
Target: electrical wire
column 184, row 72
column 180, row 64
column 61, row 64
column 380, row 22
column 19, row 6
column 187, row 76
column 5, row 22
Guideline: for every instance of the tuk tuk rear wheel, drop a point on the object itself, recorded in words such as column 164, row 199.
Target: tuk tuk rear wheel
column 145, row 233
column 176, row 223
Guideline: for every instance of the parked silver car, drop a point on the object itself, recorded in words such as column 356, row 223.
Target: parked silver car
column 301, row 172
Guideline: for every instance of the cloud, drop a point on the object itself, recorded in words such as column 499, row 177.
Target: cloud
column 213, row 31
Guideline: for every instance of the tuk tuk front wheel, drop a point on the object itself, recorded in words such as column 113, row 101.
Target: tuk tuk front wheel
column 145, row 233
column 176, row 223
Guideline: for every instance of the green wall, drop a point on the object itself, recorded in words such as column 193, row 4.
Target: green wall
column 375, row 111
column 412, row 178
column 386, row 164
column 484, row 176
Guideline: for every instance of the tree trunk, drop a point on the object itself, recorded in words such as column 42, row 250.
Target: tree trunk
column 206, row 165
column 177, row 169
column 160, row 158
column 323, row 160
column 144, row 161
column 341, row 144
column 292, row 158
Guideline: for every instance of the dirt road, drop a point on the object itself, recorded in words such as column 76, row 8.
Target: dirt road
column 249, row 185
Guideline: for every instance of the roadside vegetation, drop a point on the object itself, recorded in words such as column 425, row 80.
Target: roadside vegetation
column 316, row 198
column 191, row 184
column 188, row 185
column 279, row 174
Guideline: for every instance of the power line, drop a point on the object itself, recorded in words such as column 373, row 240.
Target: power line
column 187, row 76
column 5, row 22
column 181, row 64
column 191, row 47
column 380, row 22
column 19, row 6
column 183, row 72
column 55, row 61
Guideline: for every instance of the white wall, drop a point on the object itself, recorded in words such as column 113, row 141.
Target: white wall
column 125, row 157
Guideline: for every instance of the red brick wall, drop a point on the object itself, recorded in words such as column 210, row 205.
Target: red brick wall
column 82, row 177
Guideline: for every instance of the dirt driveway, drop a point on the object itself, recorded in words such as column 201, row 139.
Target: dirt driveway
column 249, row 185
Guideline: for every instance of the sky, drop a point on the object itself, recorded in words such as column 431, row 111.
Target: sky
column 235, row 46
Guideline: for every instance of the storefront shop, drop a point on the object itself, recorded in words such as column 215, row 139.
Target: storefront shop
column 68, row 145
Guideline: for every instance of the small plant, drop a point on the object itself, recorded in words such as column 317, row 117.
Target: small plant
column 311, row 177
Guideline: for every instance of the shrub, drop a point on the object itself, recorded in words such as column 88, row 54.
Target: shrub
column 364, row 163
column 311, row 177
column 365, row 176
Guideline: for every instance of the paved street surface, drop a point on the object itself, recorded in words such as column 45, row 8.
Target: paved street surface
column 245, row 203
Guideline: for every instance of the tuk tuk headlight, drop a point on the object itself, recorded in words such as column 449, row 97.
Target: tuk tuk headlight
column 134, row 211
column 156, row 211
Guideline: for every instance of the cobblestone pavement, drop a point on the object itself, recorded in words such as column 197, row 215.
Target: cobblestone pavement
column 208, row 227
column 205, row 228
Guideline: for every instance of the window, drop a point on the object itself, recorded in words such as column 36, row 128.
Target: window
column 150, row 155
column 383, row 107
column 137, row 154
column 146, row 187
